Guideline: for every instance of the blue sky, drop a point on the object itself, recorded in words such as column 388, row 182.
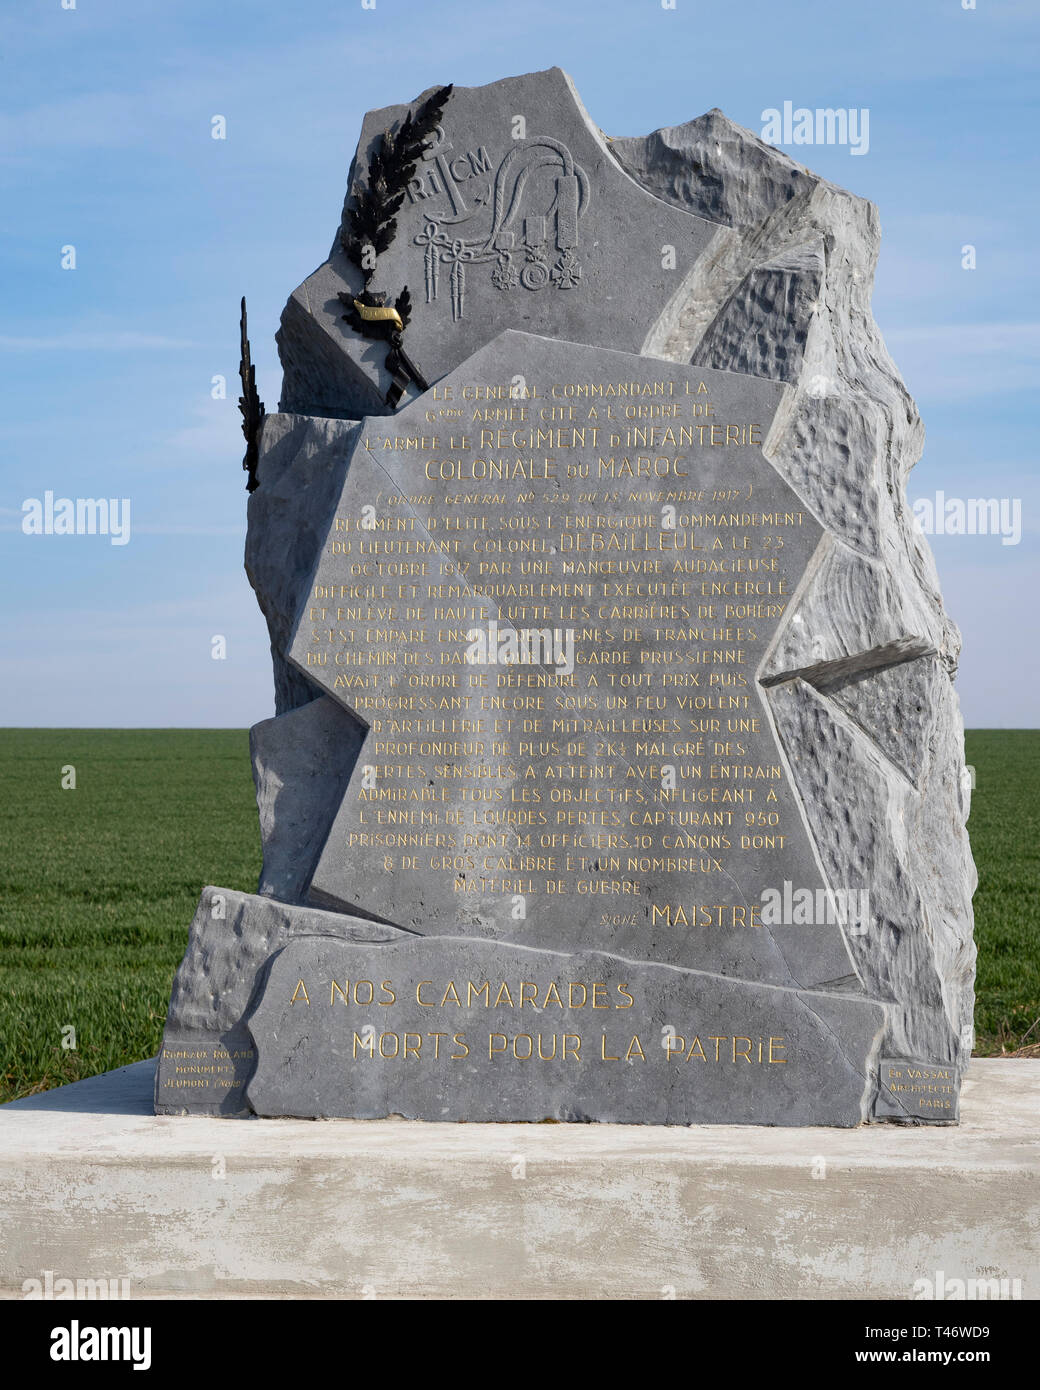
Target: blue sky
column 105, row 144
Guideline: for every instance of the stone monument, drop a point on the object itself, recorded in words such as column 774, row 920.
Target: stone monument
column 616, row 772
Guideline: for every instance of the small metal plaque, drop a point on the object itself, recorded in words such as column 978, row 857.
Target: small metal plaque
column 917, row 1090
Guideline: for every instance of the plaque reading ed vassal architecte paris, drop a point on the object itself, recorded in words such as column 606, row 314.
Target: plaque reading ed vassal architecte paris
column 616, row 772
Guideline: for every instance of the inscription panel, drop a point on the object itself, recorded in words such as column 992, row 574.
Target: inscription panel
column 917, row 1090
column 198, row 1075
column 456, row 1029
column 548, row 589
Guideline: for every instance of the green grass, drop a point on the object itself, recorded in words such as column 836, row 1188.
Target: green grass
column 100, row 884
column 1005, row 838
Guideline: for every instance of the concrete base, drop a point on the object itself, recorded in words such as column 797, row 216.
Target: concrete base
column 96, row 1186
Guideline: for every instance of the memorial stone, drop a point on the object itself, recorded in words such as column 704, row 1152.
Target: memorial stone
column 616, row 772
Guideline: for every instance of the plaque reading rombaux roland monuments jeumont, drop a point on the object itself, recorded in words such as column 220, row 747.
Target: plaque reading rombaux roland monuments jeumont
column 616, row 773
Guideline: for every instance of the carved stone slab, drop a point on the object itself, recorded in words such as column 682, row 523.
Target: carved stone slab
column 519, row 216
column 457, row 1029
column 207, row 1054
column 621, row 511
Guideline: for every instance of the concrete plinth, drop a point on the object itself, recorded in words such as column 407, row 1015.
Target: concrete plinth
column 96, row 1186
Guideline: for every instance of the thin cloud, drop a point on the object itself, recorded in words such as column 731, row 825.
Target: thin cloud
column 110, row 340
column 172, row 529
column 953, row 361
column 975, row 337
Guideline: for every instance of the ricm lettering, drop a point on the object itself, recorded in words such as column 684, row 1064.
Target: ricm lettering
column 445, row 171
column 823, row 126
column 525, row 646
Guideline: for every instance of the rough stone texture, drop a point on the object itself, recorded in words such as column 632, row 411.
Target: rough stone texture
column 895, row 706
column 851, row 616
column 93, row 1182
column 846, row 379
column 737, row 1053
column 851, row 438
column 859, row 678
column 784, row 292
column 873, row 826
column 581, row 244
column 233, row 936
column 302, row 763
column 300, row 472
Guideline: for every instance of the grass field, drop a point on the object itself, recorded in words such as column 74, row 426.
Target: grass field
column 100, row 882
column 1005, row 839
